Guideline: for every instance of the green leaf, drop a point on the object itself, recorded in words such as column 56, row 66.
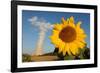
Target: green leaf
column 69, row 57
column 84, row 53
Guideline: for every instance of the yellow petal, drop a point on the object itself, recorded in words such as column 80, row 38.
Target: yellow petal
column 74, row 48
column 72, row 25
column 71, row 20
column 56, row 43
column 63, row 20
column 78, row 24
column 68, row 22
column 66, row 49
column 61, row 46
column 81, row 40
column 57, row 27
column 79, row 30
column 64, row 23
column 55, row 32
column 83, row 36
column 80, row 44
column 54, row 38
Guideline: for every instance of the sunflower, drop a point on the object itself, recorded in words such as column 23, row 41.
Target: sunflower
column 68, row 37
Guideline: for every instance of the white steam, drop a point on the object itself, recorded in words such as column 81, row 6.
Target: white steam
column 43, row 27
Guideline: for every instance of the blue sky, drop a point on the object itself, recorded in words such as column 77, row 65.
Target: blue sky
column 30, row 33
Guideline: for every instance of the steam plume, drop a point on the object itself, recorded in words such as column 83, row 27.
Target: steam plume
column 43, row 27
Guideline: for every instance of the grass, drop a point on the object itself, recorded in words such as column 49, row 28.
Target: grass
column 26, row 58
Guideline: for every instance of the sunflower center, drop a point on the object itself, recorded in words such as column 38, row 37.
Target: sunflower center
column 68, row 34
